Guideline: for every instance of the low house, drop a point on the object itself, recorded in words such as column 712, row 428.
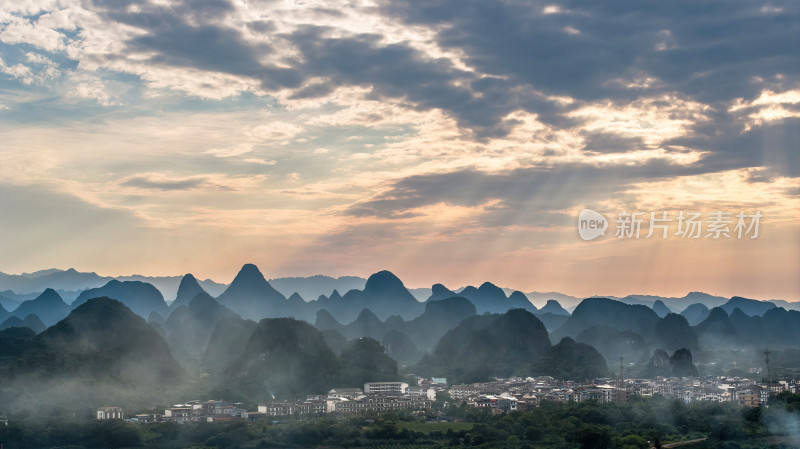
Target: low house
column 254, row 416
column 145, row 418
column 180, row 413
column 346, row 393
column 220, row 418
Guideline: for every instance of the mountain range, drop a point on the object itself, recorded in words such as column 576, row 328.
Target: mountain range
column 385, row 304
column 16, row 288
column 69, row 283
column 72, row 282
column 252, row 340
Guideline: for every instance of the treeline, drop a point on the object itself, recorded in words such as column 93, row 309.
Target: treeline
column 641, row 423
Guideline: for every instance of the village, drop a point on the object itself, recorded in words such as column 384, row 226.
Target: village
column 499, row 396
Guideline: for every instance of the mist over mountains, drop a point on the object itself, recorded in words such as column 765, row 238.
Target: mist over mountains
column 102, row 349
column 124, row 341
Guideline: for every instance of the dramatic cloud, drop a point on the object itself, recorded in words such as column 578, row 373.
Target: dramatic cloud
column 354, row 135
column 537, row 189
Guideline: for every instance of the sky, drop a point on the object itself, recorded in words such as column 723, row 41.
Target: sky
column 450, row 141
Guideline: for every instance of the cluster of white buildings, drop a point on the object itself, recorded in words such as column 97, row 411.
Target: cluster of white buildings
column 375, row 397
column 192, row 411
column 500, row 396
column 518, row 394
column 512, row 394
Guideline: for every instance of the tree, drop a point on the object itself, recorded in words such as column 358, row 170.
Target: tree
column 594, row 437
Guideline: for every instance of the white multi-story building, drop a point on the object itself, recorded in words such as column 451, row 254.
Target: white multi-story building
column 292, row 408
column 391, row 388
column 110, row 413
column 378, row 403
column 464, row 391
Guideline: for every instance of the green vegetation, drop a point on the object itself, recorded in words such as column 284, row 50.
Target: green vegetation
column 515, row 343
column 286, row 358
column 486, row 345
column 641, row 423
column 430, row 427
column 364, row 360
column 570, row 360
